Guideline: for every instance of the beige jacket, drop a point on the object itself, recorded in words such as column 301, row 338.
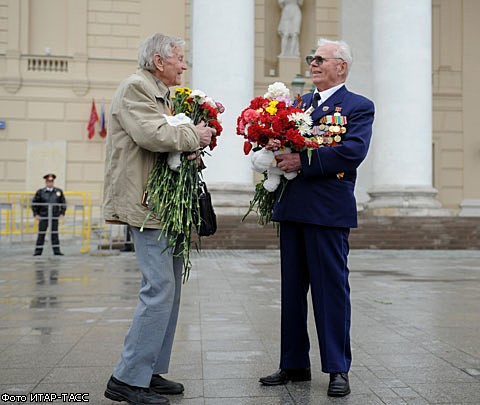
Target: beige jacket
column 137, row 132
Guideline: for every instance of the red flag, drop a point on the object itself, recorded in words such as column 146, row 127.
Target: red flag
column 92, row 121
column 103, row 130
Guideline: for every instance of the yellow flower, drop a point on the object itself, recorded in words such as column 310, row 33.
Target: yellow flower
column 188, row 107
column 183, row 91
column 272, row 107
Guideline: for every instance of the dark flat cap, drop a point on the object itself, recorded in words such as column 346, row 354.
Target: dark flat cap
column 50, row 176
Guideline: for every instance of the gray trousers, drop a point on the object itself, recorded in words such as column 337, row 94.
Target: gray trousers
column 148, row 343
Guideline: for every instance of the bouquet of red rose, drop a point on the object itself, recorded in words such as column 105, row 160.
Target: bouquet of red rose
column 172, row 186
column 273, row 118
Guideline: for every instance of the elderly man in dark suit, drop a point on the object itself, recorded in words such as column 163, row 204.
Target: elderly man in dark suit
column 316, row 212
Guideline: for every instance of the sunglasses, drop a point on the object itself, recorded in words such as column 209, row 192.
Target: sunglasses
column 318, row 59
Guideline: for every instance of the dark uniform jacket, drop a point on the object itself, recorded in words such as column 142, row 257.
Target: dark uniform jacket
column 43, row 197
column 319, row 195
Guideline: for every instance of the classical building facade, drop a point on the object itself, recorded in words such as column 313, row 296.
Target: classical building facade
column 417, row 59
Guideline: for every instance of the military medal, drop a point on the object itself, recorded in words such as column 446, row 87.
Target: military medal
column 333, row 127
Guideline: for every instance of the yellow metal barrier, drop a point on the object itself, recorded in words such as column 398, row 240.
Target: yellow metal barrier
column 17, row 218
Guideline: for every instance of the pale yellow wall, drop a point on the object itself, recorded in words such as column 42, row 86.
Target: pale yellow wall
column 3, row 25
column 48, row 34
column 447, row 101
column 456, row 142
column 97, row 41
column 471, row 95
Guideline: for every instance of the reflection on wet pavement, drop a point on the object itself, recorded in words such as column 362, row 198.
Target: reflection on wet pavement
column 415, row 331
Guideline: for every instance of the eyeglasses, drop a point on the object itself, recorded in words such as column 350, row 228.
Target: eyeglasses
column 318, row 59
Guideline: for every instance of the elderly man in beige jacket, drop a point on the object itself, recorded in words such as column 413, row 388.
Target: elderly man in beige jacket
column 137, row 133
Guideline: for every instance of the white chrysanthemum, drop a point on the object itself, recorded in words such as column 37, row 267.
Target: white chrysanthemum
column 277, row 89
column 300, row 117
column 200, row 94
column 210, row 101
column 304, row 129
column 303, row 122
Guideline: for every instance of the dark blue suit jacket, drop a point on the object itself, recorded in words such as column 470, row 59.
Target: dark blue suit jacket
column 316, row 195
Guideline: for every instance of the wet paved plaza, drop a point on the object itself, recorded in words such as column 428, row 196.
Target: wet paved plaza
column 415, row 327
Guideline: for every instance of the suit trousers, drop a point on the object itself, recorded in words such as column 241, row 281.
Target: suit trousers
column 148, row 344
column 315, row 256
column 42, row 230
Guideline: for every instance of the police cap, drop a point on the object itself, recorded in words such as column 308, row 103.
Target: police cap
column 50, row 176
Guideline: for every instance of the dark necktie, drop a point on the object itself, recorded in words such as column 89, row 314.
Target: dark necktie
column 168, row 102
column 316, row 100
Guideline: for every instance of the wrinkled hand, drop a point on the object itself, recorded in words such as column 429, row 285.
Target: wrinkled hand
column 205, row 134
column 289, row 162
column 273, row 145
column 197, row 156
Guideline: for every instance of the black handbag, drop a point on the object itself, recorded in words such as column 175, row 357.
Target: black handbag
column 207, row 225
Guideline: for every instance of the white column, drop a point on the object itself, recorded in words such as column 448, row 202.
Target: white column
column 223, row 67
column 360, row 79
column 402, row 140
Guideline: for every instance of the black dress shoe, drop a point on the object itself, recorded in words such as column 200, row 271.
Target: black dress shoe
column 163, row 386
column 37, row 254
column 339, row 386
column 285, row 375
column 59, row 254
column 121, row 392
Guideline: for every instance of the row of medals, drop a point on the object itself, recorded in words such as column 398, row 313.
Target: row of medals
column 330, row 133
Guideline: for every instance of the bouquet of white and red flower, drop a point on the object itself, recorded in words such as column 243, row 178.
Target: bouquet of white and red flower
column 273, row 118
column 172, row 186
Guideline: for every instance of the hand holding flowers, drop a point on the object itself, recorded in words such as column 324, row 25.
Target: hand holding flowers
column 272, row 127
column 172, row 186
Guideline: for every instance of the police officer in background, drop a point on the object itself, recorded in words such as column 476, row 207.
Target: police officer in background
column 48, row 200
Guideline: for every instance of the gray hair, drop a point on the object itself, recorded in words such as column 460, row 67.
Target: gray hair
column 157, row 44
column 342, row 50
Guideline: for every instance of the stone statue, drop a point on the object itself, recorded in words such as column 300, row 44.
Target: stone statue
column 289, row 26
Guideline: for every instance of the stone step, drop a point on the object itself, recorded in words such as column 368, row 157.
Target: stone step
column 372, row 233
